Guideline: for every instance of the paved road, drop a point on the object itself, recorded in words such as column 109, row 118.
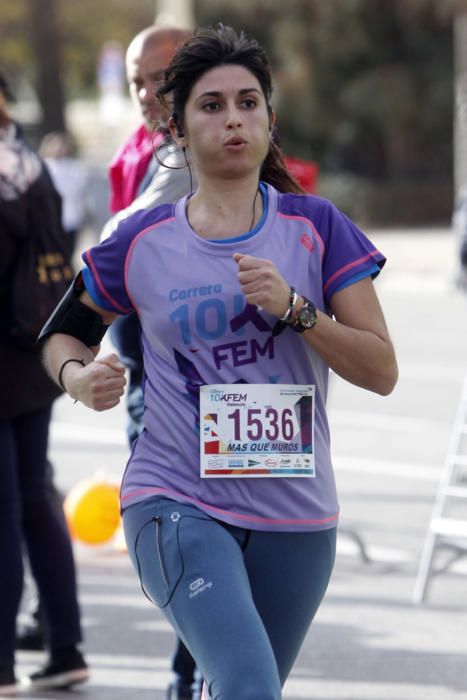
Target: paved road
column 369, row 642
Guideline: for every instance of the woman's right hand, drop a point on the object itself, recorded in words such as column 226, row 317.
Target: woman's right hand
column 99, row 385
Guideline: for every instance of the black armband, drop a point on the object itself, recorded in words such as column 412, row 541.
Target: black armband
column 72, row 317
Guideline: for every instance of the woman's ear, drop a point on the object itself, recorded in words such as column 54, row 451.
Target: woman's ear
column 272, row 119
column 176, row 131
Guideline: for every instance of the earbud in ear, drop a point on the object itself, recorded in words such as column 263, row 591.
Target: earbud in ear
column 180, row 133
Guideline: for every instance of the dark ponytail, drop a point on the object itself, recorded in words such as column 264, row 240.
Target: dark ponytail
column 274, row 172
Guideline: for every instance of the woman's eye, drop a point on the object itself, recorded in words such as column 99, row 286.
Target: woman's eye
column 211, row 106
column 249, row 103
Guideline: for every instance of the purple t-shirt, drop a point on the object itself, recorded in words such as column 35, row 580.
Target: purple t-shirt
column 198, row 329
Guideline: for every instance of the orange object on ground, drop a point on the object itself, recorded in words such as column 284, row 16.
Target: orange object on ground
column 92, row 510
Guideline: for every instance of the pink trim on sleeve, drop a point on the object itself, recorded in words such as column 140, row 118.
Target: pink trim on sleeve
column 103, row 290
column 349, row 266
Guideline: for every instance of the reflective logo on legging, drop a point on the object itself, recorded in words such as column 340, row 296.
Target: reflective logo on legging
column 196, row 584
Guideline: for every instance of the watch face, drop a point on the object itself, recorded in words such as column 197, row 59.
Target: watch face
column 307, row 316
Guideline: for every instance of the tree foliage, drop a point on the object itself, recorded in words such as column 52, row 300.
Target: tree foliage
column 82, row 27
column 364, row 87
column 361, row 85
column 46, row 47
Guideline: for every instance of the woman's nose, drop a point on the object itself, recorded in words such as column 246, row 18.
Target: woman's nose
column 234, row 117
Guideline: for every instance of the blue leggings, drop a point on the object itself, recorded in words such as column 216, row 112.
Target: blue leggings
column 241, row 600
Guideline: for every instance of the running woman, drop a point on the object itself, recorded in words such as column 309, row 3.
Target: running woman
column 248, row 292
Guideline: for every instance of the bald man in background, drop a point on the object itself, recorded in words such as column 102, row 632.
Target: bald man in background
column 134, row 170
column 139, row 181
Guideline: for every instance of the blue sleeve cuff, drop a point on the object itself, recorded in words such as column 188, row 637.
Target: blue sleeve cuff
column 93, row 291
column 372, row 271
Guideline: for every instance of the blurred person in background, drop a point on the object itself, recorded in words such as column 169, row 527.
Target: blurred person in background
column 110, row 75
column 147, row 170
column 28, row 508
column 71, row 179
column 459, row 225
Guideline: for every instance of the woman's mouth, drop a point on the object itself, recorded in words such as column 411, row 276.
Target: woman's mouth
column 235, row 143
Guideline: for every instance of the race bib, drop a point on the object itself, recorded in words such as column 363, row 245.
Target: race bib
column 257, row 430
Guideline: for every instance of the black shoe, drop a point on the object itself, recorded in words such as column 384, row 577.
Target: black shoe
column 179, row 691
column 60, row 672
column 30, row 638
column 7, row 683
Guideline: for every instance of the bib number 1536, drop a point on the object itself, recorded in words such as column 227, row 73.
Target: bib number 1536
column 266, row 423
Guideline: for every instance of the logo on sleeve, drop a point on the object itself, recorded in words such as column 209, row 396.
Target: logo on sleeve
column 307, row 242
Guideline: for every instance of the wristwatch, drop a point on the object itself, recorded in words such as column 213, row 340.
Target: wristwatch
column 306, row 317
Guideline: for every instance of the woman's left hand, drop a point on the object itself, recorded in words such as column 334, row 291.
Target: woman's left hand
column 262, row 284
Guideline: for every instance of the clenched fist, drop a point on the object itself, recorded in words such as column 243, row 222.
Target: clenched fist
column 99, row 385
column 262, row 284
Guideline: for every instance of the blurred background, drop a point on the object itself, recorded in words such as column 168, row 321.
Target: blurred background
column 365, row 89
column 374, row 92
